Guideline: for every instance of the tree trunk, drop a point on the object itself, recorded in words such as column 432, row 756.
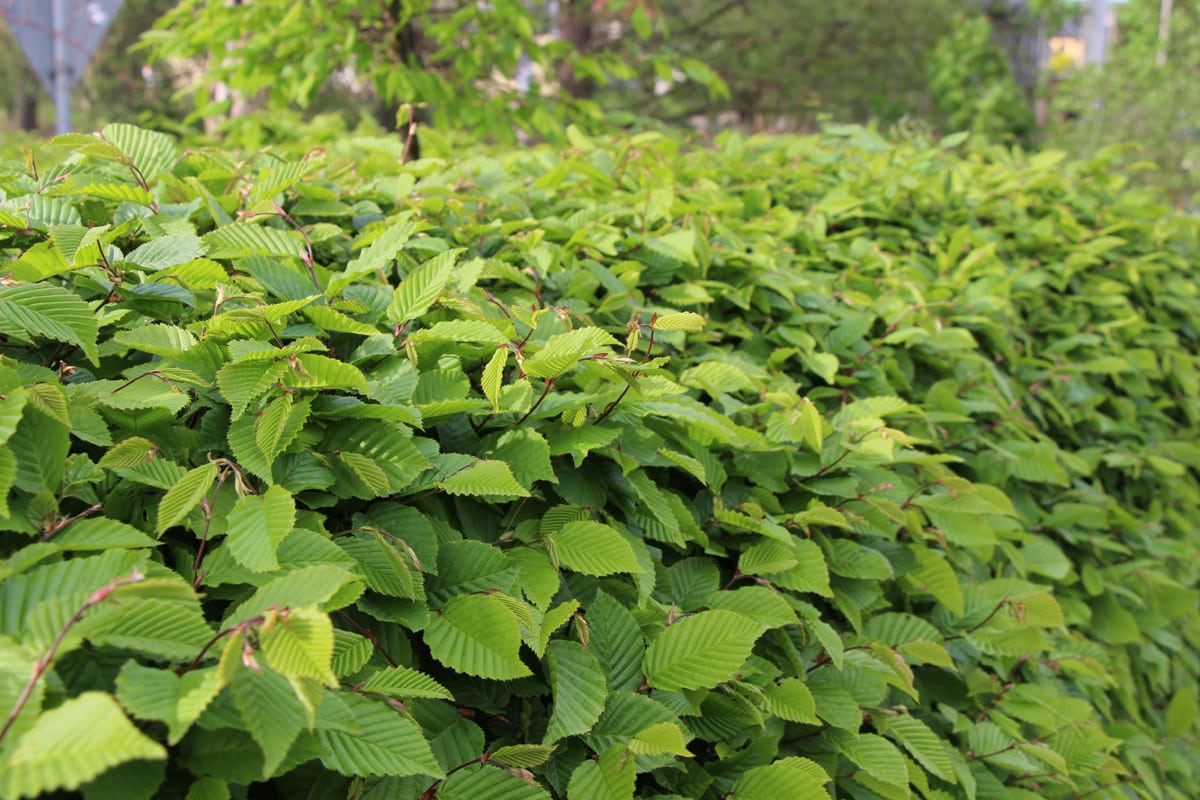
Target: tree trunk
column 27, row 100
column 575, row 28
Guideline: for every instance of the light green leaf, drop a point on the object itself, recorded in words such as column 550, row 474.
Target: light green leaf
column 679, row 321
column 923, row 745
column 591, row 548
column 611, row 777
column 561, row 351
column 789, row 777
column 298, row 643
column 405, row 683
column 382, row 743
column 72, row 744
column 101, row 533
column 790, row 699
column 161, row 694
column 490, row 782
column 423, row 286
column 478, row 635
column 663, row 738
column 185, row 495
column 256, row 526
column 271, row 711
column 41, row 309
column 875, row 755
column 700, row 651
column 523, row 756
column 493, row 377
column 485, row 478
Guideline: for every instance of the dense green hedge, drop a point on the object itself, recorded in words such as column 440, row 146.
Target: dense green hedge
column 779, row 469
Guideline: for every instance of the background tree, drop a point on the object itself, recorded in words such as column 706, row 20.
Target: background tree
column 1135, row 99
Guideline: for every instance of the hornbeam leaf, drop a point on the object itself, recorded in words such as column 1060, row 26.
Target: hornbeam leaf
column 485, row 478
column 788, row 777
column 679, row 321
column 878, row 757
column 381, row 742
column 101, row 533
column 790, row 699
column 161, row 694
column 663, row 738
column 478, row 635
column 256, row 526
column 561, row 351
column 185, row 495
column 299, row 644
column 243, row 382
column 523, row 756
column 493, row 377
column 422, row 287
column 41, row 309
column 490, row 782
column 579, row 687
column 71, row 744
column 700, row 651
column 271, row 711
column 611, row 777
column 923, row 745
column 402, row 682
column 591, row 548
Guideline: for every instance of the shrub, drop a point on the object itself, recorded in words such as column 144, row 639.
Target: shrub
column 788, row 468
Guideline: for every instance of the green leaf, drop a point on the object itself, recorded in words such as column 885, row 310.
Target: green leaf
column 493, row 377
column 485, row 478
column 378, row 255
column 170, row 630
column 561, row 351
column 663, row 738
column 149, row 151
column 41, row 309
column 591, row 548
column 271, row 712
column 700, row 651
column 679, row 321
column 405, row 683
column 788, row 777
column 790, row 699
column 423, row 286
column 478, row 635
column 161, row 694
column 923, row 745
column 488, row 782
column 611, row 777
column 185, row 495
column 72, row 744
column 579, row 689
column 242, row 239
column 523, row 756
column 616, row 641
column 298, row 643
column 875, row 755
column 256, row 526
column 101, row 533
column 243, row 382
column 382, row 742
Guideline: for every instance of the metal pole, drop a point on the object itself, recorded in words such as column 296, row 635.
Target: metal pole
column 62, row 80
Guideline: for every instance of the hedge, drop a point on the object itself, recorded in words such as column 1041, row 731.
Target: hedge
column 793, row 467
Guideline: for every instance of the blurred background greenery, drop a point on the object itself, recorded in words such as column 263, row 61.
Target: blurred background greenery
column 1009, row 71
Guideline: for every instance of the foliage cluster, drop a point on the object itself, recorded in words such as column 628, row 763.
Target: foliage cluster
column 794, row 468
